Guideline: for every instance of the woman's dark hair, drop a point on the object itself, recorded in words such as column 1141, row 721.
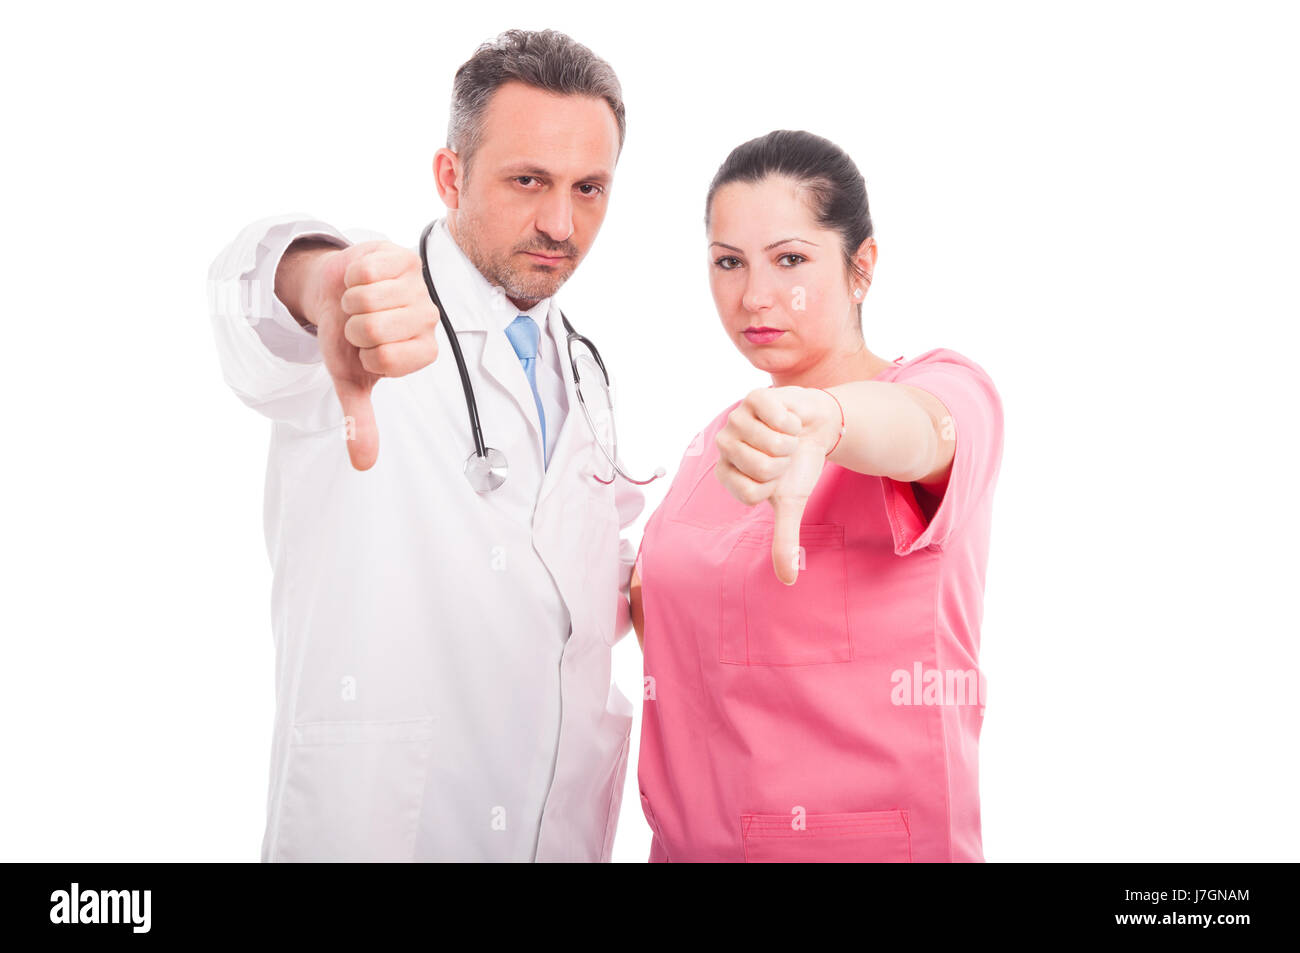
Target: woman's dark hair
column 839, row 193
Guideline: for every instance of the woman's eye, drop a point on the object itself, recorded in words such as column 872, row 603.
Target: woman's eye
column 727, row 262
column 792, row 255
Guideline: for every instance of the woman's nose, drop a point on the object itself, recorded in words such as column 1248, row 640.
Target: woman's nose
column 758, row 295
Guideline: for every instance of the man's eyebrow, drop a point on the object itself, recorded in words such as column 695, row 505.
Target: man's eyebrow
column 767, row 247
column 601, row 177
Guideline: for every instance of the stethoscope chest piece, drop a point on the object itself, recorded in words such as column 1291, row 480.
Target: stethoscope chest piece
column 487, row 472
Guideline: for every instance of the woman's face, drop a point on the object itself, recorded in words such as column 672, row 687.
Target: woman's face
column 778, row 279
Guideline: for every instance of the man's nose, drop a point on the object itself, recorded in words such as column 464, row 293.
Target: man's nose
column 555, row 217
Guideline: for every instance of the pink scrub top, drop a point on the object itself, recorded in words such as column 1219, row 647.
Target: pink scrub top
column 837, row 719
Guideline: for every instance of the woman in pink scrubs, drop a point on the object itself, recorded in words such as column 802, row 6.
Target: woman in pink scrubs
column 809, row 593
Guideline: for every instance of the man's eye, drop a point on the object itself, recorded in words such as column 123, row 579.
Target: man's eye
column 727, row 262
column 595, row 189
column 797, row 259
column 525, row 179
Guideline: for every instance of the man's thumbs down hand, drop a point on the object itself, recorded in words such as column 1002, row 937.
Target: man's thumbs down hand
column 374, row 319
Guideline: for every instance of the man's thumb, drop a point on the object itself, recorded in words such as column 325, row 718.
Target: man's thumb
column 359, row 427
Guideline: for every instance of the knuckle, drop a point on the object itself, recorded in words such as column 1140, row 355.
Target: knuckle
column 367, row 269
column 366, row 328
column 358, row 299
column 381, row 358
column 790, row 498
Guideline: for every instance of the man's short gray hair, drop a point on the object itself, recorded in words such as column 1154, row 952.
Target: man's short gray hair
column 545, row 59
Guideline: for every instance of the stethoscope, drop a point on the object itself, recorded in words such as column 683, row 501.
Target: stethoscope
column 486, row 468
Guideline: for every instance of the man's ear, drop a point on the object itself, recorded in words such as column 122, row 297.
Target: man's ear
column 448, row 176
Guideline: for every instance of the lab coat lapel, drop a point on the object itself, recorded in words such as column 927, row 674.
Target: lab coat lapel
column 472, row 310
column 499, row 361
column 569, row 440
column 567, row 509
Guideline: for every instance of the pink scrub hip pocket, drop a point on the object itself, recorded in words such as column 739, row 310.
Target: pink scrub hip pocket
column 863, row 837
column 765, row 622
column 658, row 852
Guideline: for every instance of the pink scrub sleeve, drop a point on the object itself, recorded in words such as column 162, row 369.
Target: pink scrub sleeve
column 976, row 411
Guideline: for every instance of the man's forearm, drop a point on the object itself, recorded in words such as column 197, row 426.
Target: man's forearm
column 293, row 272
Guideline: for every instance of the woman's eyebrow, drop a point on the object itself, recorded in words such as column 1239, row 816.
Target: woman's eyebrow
column 784, row 240
column 767, row 247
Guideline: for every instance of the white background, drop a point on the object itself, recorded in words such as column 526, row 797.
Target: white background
column 1096, row 202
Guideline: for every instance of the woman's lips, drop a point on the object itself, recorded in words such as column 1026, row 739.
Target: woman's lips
column 762, row 335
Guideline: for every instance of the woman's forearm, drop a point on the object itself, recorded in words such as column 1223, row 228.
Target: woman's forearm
column 888, row 430
column 638, row 615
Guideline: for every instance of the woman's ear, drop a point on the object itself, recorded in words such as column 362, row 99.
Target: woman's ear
column 447, row 176
column 865, row 260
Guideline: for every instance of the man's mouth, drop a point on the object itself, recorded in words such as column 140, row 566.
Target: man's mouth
column 544, row 259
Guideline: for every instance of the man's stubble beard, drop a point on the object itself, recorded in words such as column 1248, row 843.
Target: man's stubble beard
column 521, row 284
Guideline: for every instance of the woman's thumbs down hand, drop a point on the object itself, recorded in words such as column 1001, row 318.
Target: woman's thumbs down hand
column 773, row 447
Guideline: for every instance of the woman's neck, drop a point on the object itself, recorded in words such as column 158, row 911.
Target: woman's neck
column 838, row 367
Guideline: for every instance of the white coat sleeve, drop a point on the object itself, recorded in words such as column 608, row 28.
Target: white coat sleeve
column 267, row 358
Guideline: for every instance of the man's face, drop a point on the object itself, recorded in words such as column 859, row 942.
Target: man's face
column 536, row 190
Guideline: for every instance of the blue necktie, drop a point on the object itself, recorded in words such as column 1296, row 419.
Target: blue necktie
column 524, row 335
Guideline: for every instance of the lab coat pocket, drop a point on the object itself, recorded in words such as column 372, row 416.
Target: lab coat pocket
column 594, row 566
column 765, row 622
column 353, row 790
column 863, row 837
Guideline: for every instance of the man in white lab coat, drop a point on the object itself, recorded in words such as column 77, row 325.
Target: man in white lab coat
column 443, row 681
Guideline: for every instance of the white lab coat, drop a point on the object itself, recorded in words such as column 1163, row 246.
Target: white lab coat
column 443, row 684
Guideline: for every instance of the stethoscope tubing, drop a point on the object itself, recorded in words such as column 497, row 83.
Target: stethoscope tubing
column 475, row 427
column 481, row 450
